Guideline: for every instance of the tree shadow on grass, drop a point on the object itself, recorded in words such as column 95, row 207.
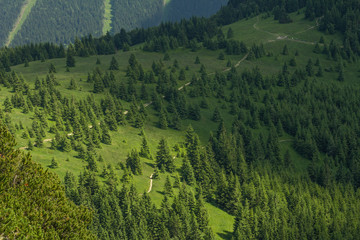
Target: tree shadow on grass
column 150, row 164
column 225, row 235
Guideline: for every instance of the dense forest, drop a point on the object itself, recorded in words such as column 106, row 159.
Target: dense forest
column 32, row 201
column 59, row 22
column 240, row 168
column 9, row 12
column 135, row 14
column 176, row 10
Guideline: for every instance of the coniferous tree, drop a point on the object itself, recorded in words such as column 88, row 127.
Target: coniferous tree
column 133, row 162
column 70, row 60
column 164, row 161
column 114, row 65
column 52, row 68
column 285, row 50
column 53, row 164
column 187, row 172
column 145, row 150
column 216, row 117
column 168, row 191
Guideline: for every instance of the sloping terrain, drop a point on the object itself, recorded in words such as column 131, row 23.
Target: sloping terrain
column 9, row 12
column 244, row 131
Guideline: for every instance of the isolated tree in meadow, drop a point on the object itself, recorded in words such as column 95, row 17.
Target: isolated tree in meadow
column 53, row 164
column 145, row 150
column 70, row 60
column 164, row 161
column 197, row 60
column 114, row 65
column 52, row 68
column 285, row 50
column 133, row 162
column 216, row 117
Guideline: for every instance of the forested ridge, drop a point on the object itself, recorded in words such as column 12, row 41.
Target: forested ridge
column 279, row 148
column 9, row 12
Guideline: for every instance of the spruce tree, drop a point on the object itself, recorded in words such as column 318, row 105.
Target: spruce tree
column 114, row 65
column 145, row 150
column 164, row 161
column 53, row 164
column 216, row 117
column 133, row 162
column 168, row 191
column 52, row 68
column 70, row 60
column 187, row 172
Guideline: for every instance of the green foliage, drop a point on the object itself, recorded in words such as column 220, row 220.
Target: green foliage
column 29, row 195
column 133, row 162
column 164, row 161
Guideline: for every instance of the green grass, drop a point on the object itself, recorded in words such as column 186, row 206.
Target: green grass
column 107, row 17
column 24, row 13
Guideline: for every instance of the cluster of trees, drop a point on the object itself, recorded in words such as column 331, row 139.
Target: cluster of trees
column 9, row 12
column 124, row 214
column 33, row 202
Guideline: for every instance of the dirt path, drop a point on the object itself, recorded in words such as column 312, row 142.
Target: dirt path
column 288, row 37
column 151, row 183
column 25, row 10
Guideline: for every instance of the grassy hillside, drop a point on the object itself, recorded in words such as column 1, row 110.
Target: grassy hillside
column 283, row 45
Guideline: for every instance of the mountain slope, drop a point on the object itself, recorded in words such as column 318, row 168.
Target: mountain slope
column 9, row 12
column 62, row 21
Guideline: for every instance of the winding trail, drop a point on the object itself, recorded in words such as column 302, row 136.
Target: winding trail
column 24, row 13
column 151, row 183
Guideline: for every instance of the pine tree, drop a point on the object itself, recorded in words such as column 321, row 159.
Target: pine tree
column 221, row 56
column 70, row 60
column 216, row 117
column 53, row 164
column 98, row 62
column 145, row 150
column 230, row 33
column 66, row 145
column 187, row 172
column 8, row 105
column 114, row 65
column 30, row 145
column 52, row 68
column 164, row 161
column 163, row 123
column 197, row 60
column 285, row 50
column 340, row 77
column 310, row 68
column 133, row 162
column 168, row 191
